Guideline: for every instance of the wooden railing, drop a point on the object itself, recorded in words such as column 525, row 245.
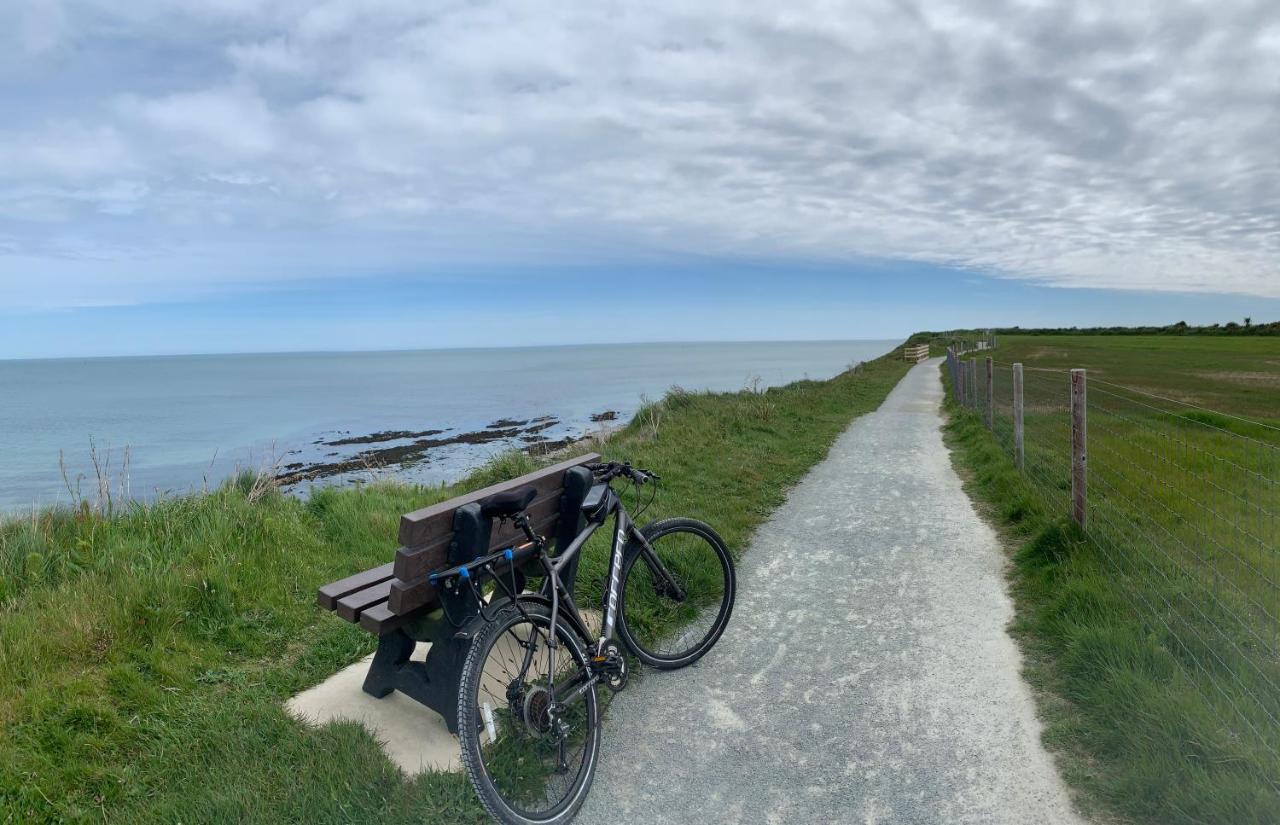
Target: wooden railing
column 917, row 353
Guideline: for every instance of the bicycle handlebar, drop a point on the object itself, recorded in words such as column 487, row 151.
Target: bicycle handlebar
column 613, row 469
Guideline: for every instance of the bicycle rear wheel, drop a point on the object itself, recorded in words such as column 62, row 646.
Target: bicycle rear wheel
column 529, row 750
column 670, row 627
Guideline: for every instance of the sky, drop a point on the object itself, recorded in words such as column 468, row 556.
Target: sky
column 237, row 175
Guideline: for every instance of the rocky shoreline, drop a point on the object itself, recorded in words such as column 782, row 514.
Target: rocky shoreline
column 524, row 434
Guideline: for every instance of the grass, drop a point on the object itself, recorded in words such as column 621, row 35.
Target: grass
column 146, row 654
column 1154, row 634
column 1237, row 375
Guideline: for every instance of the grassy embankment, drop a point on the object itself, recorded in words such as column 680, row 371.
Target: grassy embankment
column 1152, row 640
column 146, row 654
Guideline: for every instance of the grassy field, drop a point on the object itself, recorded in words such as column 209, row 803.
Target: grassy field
column 1238, row 375
column 1156, row 631
column 146, row 655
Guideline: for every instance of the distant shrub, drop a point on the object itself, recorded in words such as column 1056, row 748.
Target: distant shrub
column 1180, row 328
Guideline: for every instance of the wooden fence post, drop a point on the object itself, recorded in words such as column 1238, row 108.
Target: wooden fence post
column 1079, row 444
column 1019, row 451
column 973, row 383
column 991, row 384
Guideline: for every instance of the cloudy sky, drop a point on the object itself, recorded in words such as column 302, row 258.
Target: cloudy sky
column 170, row 166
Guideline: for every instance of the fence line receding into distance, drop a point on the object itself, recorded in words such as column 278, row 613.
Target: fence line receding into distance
column 1182, row 502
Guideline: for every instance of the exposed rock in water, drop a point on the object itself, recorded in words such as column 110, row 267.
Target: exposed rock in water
column 607, row 415
column 539, row 445
column 377, row 438
column 415, row 452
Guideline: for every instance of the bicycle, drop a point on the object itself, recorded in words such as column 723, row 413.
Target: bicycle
column 528, row 709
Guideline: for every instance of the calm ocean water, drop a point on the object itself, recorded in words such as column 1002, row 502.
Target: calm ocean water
column 192, row 420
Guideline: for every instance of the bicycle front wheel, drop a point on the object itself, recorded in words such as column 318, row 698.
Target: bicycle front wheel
column 529, row 733
column 675, row 602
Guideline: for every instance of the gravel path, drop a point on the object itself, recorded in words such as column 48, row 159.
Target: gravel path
column 866, row 675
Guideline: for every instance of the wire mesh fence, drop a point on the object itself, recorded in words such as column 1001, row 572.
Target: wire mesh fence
column 1182, row 502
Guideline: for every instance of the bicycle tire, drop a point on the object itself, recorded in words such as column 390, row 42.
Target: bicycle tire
column 472, row 724
column 630, row 630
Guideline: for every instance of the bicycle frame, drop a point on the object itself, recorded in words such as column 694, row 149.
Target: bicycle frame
column 623, row 528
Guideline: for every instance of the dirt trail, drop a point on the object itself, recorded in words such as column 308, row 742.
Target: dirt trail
column 866, row 676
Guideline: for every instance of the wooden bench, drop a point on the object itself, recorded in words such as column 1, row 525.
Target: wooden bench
column 397, row 603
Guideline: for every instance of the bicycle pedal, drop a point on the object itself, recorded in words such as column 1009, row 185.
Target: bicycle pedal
column 611, row 666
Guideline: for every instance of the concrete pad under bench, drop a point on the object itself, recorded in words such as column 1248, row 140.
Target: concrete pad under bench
column 413, row 736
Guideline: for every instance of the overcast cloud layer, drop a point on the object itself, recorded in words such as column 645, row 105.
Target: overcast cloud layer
column 167, row 148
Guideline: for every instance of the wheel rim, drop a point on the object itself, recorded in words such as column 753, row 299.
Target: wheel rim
column 660, row 624
column 534, row 752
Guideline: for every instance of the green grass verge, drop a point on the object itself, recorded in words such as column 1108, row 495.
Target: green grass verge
column 146, row 655
column 1137, row 729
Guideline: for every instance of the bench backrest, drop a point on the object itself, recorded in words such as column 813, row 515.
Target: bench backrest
column 381, row 599
column 427, row 535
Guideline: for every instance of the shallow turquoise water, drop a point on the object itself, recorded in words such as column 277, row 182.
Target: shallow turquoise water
column 191, row 420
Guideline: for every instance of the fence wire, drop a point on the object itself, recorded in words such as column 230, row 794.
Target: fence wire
column 1183, row 503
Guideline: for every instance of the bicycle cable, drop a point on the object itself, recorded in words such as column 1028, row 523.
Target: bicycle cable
column 652, row 496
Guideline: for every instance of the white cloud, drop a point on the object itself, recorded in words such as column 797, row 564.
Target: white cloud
column 1077, row 144
column 64, row 151
column 210, row 125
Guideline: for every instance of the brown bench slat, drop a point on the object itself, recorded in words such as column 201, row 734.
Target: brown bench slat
column 414, row 563
column 329, row 594
column 349, row 606
column 421, row 527
column 408, row 595
column 379, row 620
column 543, row 515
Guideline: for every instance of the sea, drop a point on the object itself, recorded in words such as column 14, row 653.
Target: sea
column 169, row 425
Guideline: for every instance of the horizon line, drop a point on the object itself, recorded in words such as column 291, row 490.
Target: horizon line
column 388, row 350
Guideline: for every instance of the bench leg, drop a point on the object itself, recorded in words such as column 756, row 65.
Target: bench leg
column 439, row 691
column 394, row 650
column 392, row 670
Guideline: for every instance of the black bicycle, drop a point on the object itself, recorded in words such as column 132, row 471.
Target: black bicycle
column 529, row 700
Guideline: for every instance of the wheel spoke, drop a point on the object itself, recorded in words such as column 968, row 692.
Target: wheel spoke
column 534, row 754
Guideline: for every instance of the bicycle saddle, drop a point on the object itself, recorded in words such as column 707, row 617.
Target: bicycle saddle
column 507, row 504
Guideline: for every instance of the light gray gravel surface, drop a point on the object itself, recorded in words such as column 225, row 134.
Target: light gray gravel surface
column 866, row 675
